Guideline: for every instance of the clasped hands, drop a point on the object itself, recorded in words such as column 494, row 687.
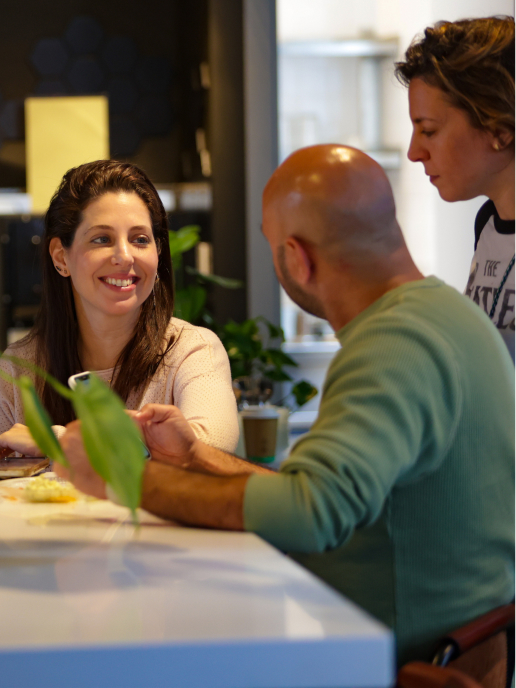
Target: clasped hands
column 165, row 431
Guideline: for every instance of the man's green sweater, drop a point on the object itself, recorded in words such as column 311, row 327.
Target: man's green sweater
column 401, row 496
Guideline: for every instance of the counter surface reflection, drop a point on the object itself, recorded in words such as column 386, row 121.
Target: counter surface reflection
column 88, row 600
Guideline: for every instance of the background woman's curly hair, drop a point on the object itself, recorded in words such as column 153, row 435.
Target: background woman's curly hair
column 472, row 61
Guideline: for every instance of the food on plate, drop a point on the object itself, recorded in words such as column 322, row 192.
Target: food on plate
column 43, row 489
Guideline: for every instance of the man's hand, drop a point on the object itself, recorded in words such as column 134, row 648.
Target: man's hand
column 19, row 439
column 81, row 474
column 171, row 440
column 167, row 434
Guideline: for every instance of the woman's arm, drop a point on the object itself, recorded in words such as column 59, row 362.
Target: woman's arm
column 203, row 392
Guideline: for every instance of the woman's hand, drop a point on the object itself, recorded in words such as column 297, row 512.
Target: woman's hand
column 167, row 434
column 19, row 439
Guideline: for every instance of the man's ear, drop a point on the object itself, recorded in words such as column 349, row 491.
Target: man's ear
column 57, row 253
column 299, row 261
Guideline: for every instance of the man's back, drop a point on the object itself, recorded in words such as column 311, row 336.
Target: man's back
column 408, row 472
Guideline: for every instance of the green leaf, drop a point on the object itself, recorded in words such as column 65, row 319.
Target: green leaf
column 189, row 302
column 303, row 391
column 226, row 282
column 278, row 375
column 38, row 422
column 279, row 358
column 275, row 332
column 111, row 439
column 183, row 240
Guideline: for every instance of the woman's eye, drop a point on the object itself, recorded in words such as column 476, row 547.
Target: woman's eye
column 100, row 240
column 427, row 133
column 142, row 239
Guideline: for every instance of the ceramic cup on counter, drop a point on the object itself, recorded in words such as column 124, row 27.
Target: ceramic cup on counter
column 260, row 432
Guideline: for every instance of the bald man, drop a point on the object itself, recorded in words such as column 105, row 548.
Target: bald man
column 401, row 495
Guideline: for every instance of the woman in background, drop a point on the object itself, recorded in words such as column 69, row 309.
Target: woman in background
column 460, row 78
column 107, row 305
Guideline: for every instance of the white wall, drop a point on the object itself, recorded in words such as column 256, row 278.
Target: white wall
column 440, row 235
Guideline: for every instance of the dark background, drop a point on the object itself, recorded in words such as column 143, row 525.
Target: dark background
column 156, row 106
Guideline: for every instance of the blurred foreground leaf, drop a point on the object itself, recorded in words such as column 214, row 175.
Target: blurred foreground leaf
column 111, row 440
column 38, row 422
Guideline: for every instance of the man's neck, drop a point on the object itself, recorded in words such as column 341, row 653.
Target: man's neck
column 357, row 295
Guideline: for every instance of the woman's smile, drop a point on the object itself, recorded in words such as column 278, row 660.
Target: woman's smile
column 120, row 282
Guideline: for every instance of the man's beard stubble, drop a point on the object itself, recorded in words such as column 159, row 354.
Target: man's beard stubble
column 305, row 301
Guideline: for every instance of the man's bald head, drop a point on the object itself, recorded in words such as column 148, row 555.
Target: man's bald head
column 336, row 198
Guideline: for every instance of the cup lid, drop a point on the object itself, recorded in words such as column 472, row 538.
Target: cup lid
column 259, row 412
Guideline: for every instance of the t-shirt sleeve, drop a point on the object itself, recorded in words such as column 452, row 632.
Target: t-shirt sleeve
column 482, row 218
column 204, row 394
column 390, row 406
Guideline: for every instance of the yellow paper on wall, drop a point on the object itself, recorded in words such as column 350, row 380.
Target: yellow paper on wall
column 61, row 133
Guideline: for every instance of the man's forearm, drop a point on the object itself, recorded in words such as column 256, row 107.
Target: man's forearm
column 217, row 462
column 192, row 498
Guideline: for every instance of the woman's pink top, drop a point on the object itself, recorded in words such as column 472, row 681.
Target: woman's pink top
column 195, row 376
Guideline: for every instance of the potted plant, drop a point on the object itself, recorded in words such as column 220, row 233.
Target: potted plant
column 253, row 347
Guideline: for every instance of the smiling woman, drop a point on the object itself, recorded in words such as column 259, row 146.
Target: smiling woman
column 107, row 305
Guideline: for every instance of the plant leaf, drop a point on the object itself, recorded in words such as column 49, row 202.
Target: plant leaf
column 303, row 391
column 279, row 358
column 226, row 282
column 278, row 375
column 183, row 240
column 189, row 302
column 38, row 422
column 111, row 439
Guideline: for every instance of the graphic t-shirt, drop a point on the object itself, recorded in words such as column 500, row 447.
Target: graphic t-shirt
column 494, row 249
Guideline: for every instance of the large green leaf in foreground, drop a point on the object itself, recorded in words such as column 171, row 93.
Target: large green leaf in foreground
column 38, row 422
column 111, row 440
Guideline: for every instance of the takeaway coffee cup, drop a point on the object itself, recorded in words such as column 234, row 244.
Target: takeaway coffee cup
column 260, row 429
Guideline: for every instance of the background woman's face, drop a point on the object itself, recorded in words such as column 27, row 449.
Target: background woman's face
column 458, row 158
column 113, row 259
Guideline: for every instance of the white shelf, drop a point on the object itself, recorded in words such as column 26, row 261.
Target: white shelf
column 360, row 47
column 316, row 346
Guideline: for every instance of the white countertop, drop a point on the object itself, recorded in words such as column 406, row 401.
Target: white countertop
column 87, row 600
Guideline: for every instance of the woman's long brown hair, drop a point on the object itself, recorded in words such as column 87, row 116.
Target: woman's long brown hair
column 56, row 331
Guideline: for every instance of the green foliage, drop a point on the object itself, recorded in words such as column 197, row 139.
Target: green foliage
column 111, row 439
column 303, row 391
column 182, row 241
column 190, row 299
column 189, row 302
column 251, row 354
column 39, row 423
column 248, row 353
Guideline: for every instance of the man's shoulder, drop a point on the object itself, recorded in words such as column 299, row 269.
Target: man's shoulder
column 420, row 320
column 413, row 308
